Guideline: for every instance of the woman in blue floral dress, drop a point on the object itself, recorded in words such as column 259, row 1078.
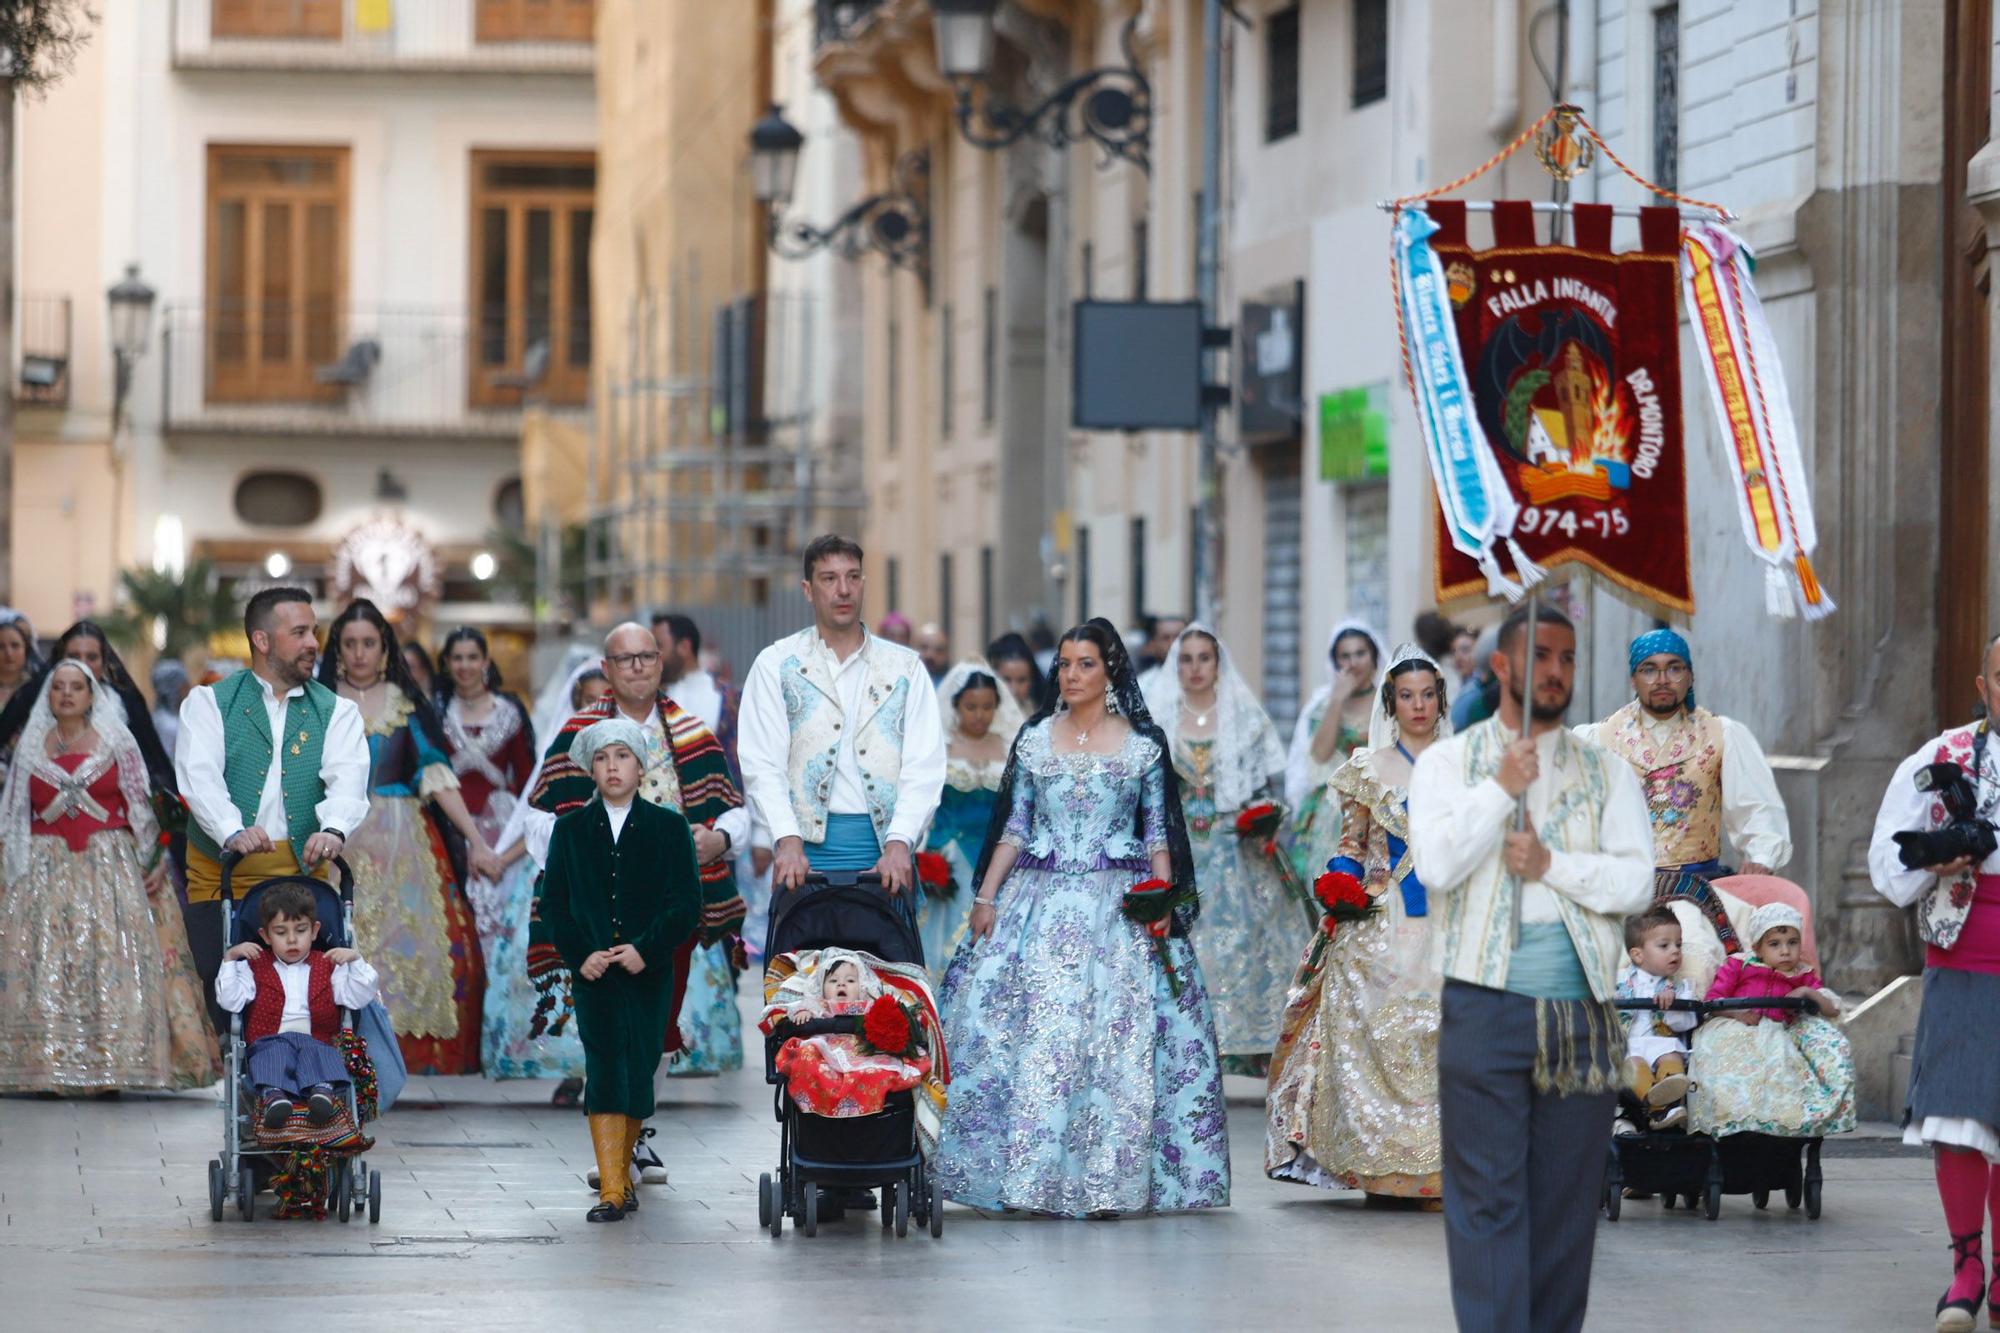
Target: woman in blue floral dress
column 1082, row 1084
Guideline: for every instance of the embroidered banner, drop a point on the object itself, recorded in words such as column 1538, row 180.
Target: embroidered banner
column 1574, row 365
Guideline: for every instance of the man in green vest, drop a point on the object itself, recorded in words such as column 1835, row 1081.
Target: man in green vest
column 273, row 765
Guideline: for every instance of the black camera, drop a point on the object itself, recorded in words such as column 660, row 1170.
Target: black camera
column 1964, row 833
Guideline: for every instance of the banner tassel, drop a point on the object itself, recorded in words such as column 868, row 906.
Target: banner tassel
column 1497, row 583
column 1778, row 593
column 1525, row 569
column 1816, row 604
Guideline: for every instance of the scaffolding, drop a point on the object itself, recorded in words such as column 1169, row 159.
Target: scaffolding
column 704, row 488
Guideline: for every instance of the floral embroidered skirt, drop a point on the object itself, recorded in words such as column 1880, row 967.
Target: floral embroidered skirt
column 83, row 992
column 1793, row 1079
column 1247, row 937
column 414, row 925
column 1353, row 1093
column 1080, row 1083
column 506, row 1050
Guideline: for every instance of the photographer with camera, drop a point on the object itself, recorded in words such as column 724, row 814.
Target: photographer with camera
column 1935, row 846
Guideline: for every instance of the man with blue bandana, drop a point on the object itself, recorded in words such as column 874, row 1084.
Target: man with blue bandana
column 1704, row 775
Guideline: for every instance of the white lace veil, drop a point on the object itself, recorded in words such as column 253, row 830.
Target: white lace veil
column 1299, row 777
column 115, row 745
column 1006, row 722
column 1248, row 755
column 1382, row 729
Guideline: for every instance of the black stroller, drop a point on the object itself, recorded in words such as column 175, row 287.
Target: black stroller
column 1701, row 1169
column 351, row 1185
column 818, row 1153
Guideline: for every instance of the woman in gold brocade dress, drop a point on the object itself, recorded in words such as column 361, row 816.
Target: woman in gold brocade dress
column 83, row 987
column 1353, row 1091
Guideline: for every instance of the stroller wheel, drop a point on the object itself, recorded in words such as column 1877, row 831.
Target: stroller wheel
column 1812, row 1199
column 215, row 1190
column 374, row 1196
column 811, row 1209
column 902, row 1207
column 246, row 1192
column 1761, row 1198
column 1712, row 1203
column 888, row 1207
column 936, row 1207
column 764, row 1208
column 343, row 1190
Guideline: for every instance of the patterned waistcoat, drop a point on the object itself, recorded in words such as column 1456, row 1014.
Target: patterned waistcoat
column 1479, row 914
column 246, row 755
column 1682, row 778
column 267, row 1010
column 812, row 707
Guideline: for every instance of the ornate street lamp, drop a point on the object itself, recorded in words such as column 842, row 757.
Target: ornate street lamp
column 1112, row 106
column 131, row 302
column 895, row 224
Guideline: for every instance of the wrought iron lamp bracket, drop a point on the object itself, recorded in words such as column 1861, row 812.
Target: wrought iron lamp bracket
column 895, row 224
column 1111, row 106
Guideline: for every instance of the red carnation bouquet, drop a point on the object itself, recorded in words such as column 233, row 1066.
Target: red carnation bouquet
column 1151, row 903
column 934, row 875
column 1261, row 820
column 888, row 1029
column 1342, row 897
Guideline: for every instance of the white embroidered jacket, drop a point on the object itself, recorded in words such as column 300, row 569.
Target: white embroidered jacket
column 789, row 761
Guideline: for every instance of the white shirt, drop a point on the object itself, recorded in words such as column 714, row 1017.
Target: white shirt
column 617, row 814
column 1454, row 828
column 1906, row 809
column 764, row 745
column 343, row 765
column 1753, row 813
column 353, row 988
column 699, row 694
column 539, row 826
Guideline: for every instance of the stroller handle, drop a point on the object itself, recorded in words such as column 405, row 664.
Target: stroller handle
column 230, row 859
column 840, row 879
column 817, row 1027
column 1702, row 1008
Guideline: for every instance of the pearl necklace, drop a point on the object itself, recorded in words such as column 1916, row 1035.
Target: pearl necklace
column 1200, row 718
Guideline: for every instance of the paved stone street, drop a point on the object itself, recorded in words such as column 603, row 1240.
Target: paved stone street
column 104, row 1222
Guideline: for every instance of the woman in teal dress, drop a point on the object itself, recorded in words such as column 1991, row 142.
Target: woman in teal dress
column 411, row 917
column 1229, row 760
column 980, row 721
column 1331, row 727
column 1085, row 1081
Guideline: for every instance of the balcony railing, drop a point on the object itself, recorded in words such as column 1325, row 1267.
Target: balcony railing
column 42, row 332
column 461, row 36
column 308, row 370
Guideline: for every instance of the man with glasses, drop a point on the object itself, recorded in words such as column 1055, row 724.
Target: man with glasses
column 685, row 771
column 1704, row 775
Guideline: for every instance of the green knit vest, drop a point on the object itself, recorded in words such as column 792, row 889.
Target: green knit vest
column 246, row 755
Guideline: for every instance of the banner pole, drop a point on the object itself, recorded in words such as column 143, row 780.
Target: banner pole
column 1527, row 734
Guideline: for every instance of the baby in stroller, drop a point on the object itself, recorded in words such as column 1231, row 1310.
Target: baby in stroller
column 294, row 994
column 1774, row 1071
column 842, row 1074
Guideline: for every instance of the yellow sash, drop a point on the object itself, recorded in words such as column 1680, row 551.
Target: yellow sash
column 204, row 873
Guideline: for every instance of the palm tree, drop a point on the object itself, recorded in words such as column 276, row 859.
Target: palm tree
column 192, row 607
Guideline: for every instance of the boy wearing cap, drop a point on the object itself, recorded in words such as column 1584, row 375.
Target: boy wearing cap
column 621, row 895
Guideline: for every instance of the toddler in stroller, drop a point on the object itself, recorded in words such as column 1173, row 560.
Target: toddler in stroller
column 855, row 1053
column 842, row 1074
column 294, row 994
column 1655, row 1050
column 300, row 1077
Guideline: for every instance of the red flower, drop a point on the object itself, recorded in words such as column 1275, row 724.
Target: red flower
column 933, row 869
column 886, row 1026
column 1337, row 888
column 1261, row 819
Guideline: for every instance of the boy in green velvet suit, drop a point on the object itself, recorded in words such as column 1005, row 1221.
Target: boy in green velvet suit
column 621, row 894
